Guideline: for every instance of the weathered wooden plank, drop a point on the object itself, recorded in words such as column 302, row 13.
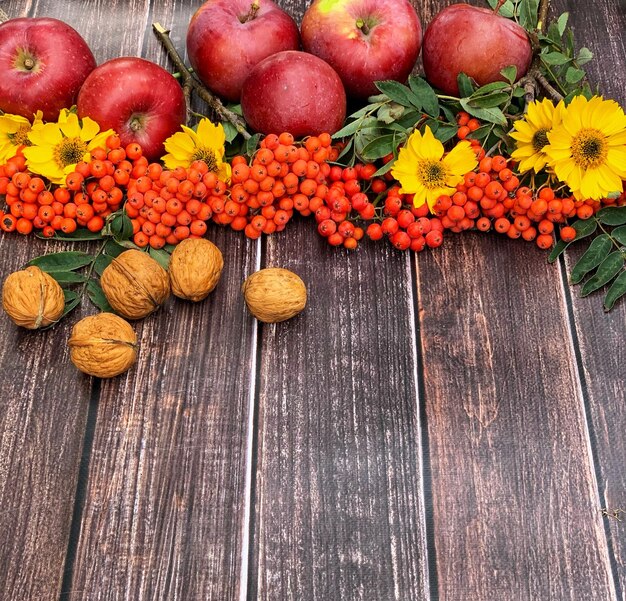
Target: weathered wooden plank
column 601, row 337
column 516, row 508
column 339, row 504
column 516, row 512
column 163, row 511
column 43, row 411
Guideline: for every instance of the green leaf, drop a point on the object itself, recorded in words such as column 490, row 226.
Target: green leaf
column 554, row 58
column 506, row 10
column 598, row 250
column 583, row 227
column 96, row 296
column 353, row 127
column 72, row 300
column 68, row 277
column 584, row 56
column 612, row 215
column 619, row 234
column 574, row 75
column 607, row 270
column 562, row 23
column 230, row 131
column 251, row 144
column 62, row 261
column 466, row 88
column 509, row 73
column 425, row 94
column 617, row 290
column 102, row 262
column 492, row 115
column 380, row 147
column 389, row 112
column 80, row 234
column 446, row 132
column 385, row 168
column 528, row 14
column 121, row 227
column 162, row 257
column 489, row 101
column 398, row 93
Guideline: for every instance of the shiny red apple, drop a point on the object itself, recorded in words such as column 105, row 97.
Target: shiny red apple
column 43, row 63
column 227, row 38
column 293, row 92
column 475, row 41
column 363, row 40
column 139, row 99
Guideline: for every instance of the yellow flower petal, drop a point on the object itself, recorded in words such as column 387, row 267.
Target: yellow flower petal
column 89, row 130
column 71, row 127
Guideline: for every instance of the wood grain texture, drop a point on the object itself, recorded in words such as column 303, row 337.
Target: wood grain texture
column 516, row 508
column 339, row 505
column 601, row 336
column 516, row 512
column 43, row 410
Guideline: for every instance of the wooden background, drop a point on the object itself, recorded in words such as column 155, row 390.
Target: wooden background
column 447, row 426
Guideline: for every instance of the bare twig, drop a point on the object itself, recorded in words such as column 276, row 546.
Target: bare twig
column 548, row 88
column 191, row 83
column 544, row 6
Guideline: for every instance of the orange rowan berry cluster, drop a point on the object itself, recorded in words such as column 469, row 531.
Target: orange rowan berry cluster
column 282, row 177
column 32, row 204
column 406, row 226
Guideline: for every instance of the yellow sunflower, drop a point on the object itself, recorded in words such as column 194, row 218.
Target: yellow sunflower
column 531, row 133
column 57, row 147
column 206, row 144
column 14, row 134
column 423, row 169
column 587, row 150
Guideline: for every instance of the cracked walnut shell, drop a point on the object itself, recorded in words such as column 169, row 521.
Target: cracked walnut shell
column 195, row 268
column 135, row 284
column 274, row 294
column 32, row 298
column 103, row 345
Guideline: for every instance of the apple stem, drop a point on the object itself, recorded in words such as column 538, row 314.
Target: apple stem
column 29, row 63
column 254, row 8
column 362, row 25
column 190, row 82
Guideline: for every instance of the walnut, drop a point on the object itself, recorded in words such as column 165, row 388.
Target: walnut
column 195, row 268
column 274, row 294
column 103, row 345
column 135, row 284
column 32, row 298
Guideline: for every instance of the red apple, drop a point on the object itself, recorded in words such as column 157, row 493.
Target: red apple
column 363, row 40
column 227, row 38
column 43, row 63
column 474, row 41
column 141, row 101
column 293, row 92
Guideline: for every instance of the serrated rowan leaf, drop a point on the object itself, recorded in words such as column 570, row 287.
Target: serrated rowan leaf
column 612, row 215
column 492, row 115
column 619, row 234
column 616, row 291
column 598, row 250
column 399, row 93
column 426, row 95
column 62, row 261
column 583, row 227
column 96, row 296
column 607, row 270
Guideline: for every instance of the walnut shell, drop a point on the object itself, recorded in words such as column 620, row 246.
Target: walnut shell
column 274, row 294
column 195, row 268
column 103, row 345
column 135, row 284
column 32, row 298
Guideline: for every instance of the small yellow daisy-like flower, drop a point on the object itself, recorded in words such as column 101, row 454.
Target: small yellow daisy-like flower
column 587, row 150
column 424, row 170
column 531, row 133
column 207, row 144
column 14, row 131
column 57, row 147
